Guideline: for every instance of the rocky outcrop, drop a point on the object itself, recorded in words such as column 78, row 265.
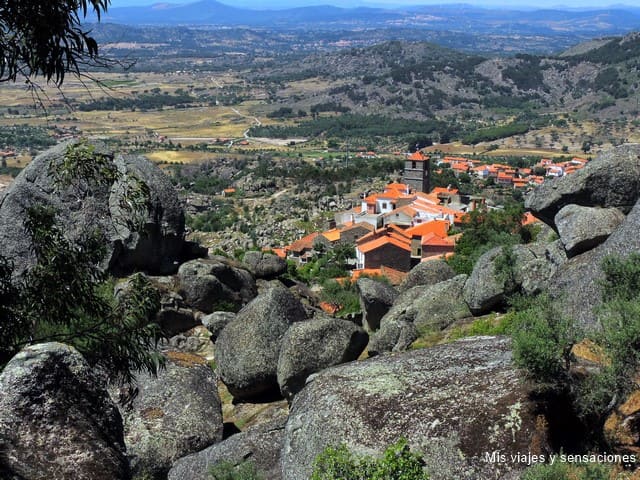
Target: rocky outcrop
column 57, row 419
column 611, row 180
column 576, row 286
column 376, row 299
column 155, row 244
column 426, row 274
column 485, row 289
column 248, row 348
column 454, row 403
column 622, row 427
column 503, row 271
column 420, row 309
column 311, row 346
column 260, row 445
column 265, row 265
column 213, row 283
column 583, row 228
column 216, row 321
column 172, row 415
column 395, row 335
column 174, row 316
column 534, row 275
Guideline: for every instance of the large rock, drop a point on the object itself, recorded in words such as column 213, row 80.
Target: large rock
column 215, row 284
column 216, row 321
column 535, row 274
column 174, row 316
column 265, row 265
column 576, row 286
column 454, row 403
column 376, row 299
column 583, row 228
column 395, row 335
column 427, row 308
column 311, row 346
column 611, row 180
column 427, row 273
column 248, row 348
column 485, row 289
column 530, row 268
column 172, row 415
column 155, row 248
column 57, row 420
column 260, row 445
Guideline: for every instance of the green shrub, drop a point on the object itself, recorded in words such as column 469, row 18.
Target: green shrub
column 230, row 471
column 397, row 462
column 567, row 471
column 542, row 341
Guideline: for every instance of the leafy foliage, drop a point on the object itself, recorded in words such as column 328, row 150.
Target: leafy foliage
column 21, row 136
column 397, row 462
column 350, row 125
column 46, row 38
column 65, row 297
column 485, row 229
column 542, row 341
column 567, row 471
column 230, row 471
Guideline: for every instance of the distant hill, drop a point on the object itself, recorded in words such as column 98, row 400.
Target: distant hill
column 422, row 81
column 461, row 18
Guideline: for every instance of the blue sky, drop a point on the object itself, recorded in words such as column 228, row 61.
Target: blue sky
column 284, row 3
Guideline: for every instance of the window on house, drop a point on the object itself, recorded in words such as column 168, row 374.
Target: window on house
column 384, row 205
column 414, row 165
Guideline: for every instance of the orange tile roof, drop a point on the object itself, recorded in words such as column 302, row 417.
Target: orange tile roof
column 394, row 276
column 384, row 240
column 437, row 190
column 303, row 243
column 397, row 186
column 462, row 167
column 348, row 226
column 332, row 235
column 439, row 227
column 281, row 252
column 528, row 218
column 418, row 156
column 436, row 240
column 330, row 308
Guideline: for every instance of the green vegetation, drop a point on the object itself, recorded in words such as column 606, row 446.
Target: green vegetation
column 486, row 229
column 341, row 294
column 526, row 74
column 46, row 38
column 612, row 52
column 397, row 462
column 230, row 471
column 142, row 102
column 222, row 215
column 351, row 125
column 489, row 325
column 568, row 471
column 543, row 342
column 25, row 136
column 65, row 297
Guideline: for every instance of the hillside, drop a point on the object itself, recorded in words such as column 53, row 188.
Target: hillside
column 424, row 81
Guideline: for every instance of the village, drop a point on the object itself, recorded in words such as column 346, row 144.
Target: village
column 410, row 222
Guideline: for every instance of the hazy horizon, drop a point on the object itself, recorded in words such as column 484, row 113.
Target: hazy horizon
column 277, row 4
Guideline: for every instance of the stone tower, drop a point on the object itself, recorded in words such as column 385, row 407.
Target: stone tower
column 416, row 172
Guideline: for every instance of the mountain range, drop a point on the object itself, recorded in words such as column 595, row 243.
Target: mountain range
column 460, row 17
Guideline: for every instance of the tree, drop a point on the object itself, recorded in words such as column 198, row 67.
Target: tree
column 46, row 38
column 67, row 298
